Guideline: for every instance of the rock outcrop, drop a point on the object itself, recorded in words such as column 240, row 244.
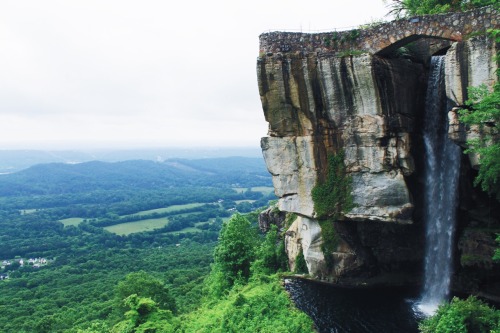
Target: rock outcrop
column 319, row 106
column 319, row 101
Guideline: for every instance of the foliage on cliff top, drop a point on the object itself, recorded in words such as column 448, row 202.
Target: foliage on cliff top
column 258, row 303
column 402, row 8
column 247, row 303
column 463, row 316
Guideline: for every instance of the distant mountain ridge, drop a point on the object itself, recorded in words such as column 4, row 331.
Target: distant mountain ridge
column 58, row 178
column 16, row 160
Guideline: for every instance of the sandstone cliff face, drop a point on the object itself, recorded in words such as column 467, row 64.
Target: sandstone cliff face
column 468, row 64
column 317, row 106
column 369, row 106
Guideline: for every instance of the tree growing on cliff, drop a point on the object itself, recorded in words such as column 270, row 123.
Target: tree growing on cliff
column 270, row 254
column 233, row 255
column 484, row 112
column 401, row 8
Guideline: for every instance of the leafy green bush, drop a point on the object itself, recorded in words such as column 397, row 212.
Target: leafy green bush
column 485, row 112
column 145, row 316
column 144, row 285
column 270, row 256
column 300, row 264
column 462, row 316
column 260, row 306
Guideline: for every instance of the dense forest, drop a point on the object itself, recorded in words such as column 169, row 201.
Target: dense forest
column 83, row 246
column 106, row 247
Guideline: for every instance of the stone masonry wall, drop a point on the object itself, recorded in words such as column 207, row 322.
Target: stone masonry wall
column 451, row 26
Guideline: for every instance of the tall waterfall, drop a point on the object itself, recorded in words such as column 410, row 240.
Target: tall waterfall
column 442, row 169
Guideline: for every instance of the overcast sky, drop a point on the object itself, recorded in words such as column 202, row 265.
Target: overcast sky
column 149, row 73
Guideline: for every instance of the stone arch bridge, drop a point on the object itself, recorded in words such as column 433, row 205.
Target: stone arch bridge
column 383, row 38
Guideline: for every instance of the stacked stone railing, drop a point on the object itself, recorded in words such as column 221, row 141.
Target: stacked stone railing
column 383, row 37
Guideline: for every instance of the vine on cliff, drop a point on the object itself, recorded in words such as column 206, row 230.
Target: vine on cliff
column 332, row 197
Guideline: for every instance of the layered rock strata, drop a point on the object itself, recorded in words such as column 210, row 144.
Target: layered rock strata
column 318, row 103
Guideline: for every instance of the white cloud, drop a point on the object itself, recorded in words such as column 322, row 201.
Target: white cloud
column 122, row 72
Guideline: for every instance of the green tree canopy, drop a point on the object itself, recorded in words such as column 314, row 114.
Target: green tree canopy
column 236, row 248
column 144, row 285
column 462, row 316
column 484, row 112
column 423, row 7
column 145, row 316
column 271, row 255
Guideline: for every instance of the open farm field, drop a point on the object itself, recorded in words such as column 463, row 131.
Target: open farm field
column 74, row 221
column 27, row 211
column 240, row 201
column 182, row 231
column 124, row 229
column 167, row 209
column 265, row 190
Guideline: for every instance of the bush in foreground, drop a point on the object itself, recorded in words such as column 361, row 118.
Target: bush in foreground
column 463, row 316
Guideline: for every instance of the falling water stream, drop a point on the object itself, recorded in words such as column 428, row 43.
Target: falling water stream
column 442, row 167
column 336, row 310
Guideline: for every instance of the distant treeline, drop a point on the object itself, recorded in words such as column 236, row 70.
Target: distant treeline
column 59, row 178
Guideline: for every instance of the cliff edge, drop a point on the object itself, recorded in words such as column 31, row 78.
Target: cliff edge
column 361, row 93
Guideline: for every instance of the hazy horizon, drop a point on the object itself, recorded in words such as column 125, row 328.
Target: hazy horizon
column 145, row 74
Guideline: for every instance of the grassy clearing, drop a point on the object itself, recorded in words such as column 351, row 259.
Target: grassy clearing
column 168, row 209
column 197, row 224
column 240, row 201
column 265, row 190
column 28, row 211
column 183, row 231
column 137, row 226
column 74, row 221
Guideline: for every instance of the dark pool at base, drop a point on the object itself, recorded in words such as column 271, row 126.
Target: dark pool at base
column 339, row 310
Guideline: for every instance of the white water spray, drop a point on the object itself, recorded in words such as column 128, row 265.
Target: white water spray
column 442, row 169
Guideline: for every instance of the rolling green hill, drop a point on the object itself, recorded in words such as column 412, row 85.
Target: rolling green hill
column 58, row 178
